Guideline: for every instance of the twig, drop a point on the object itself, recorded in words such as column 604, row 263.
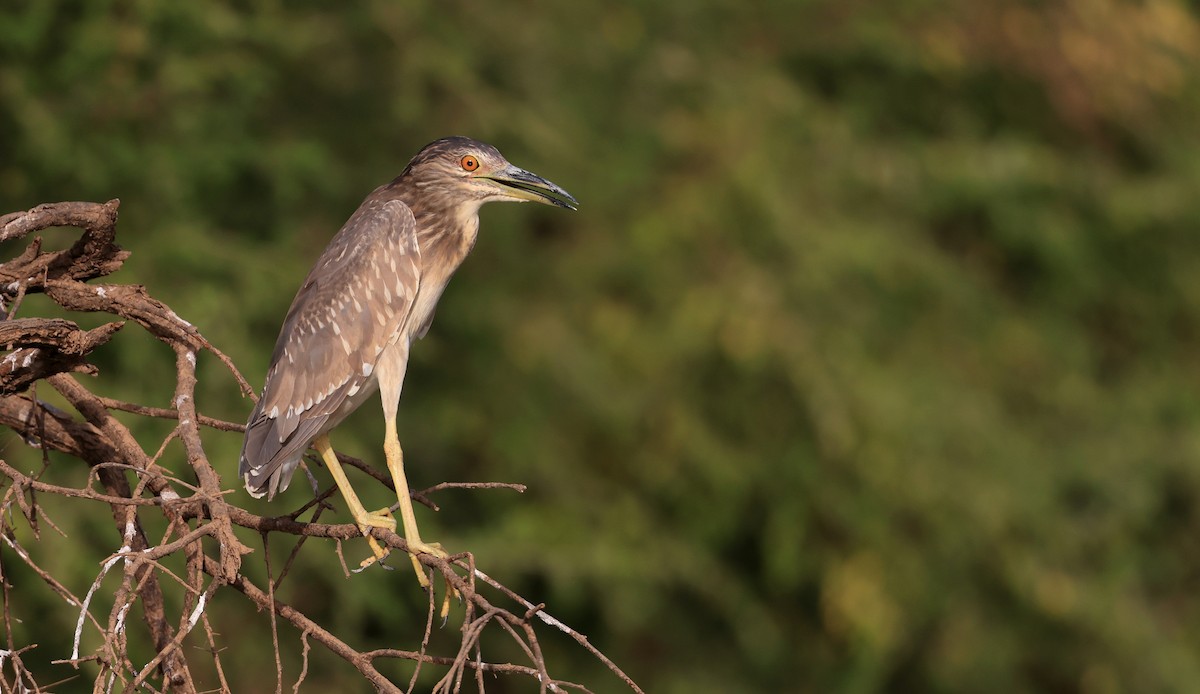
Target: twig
column 163, row 413
column 43, row 349
column 266, row 539
column 545, row 617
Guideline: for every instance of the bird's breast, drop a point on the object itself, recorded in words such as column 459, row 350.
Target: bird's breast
column 441, row 255
column 423, row 310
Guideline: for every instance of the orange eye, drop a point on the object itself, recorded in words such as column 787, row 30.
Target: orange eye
column 469, row 163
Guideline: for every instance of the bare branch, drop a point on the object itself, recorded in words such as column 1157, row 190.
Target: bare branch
column 200, row 520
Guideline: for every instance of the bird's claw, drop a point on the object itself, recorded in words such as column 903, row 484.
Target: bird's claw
column 378, row 519
column 383, row 519
column 375, row 519
column 433, row 549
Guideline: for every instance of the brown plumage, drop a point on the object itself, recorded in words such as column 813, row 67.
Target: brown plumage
column 370, row 294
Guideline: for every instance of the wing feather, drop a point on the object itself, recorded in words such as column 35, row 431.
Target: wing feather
column 316, row 375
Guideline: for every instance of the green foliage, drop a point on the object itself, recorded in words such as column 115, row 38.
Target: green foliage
column 867, row 364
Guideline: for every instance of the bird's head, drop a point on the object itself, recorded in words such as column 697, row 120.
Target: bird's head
column 467, row 171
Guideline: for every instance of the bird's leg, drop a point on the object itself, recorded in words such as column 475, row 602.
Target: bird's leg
column 364, row 518
column 395, row 463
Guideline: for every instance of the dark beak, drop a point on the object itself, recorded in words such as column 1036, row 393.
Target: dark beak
column 519, row 184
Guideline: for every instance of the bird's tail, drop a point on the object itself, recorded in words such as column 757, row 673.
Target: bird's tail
column 267, row 464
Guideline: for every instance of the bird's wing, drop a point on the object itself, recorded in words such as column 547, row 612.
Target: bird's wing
column 352, row 305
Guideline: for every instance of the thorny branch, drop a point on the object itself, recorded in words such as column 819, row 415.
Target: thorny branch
column 47, row 350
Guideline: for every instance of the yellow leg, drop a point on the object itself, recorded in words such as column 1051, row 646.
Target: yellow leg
column 395, row 463
column 365, row 519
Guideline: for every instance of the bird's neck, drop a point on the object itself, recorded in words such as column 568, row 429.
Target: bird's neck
column 446, row 233
column 447, row 237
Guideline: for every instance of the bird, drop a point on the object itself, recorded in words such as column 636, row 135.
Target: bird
column 370, row 294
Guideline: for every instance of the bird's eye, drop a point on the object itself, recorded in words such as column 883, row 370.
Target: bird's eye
column 469, row 163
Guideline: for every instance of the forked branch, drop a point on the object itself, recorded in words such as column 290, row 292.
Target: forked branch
column 200, row 518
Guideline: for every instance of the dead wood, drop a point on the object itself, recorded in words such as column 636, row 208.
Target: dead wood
column 134, row 484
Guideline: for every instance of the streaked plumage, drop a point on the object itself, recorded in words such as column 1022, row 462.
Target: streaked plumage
column 356, row 302
column 370, row 294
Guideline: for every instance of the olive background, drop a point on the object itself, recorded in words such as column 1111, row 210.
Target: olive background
column 869, row 363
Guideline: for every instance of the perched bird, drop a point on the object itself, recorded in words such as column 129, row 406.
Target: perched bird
column 371, row 293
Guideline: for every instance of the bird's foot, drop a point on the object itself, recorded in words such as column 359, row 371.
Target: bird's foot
column 416, row 547
column 433, row 549
column 375, row 519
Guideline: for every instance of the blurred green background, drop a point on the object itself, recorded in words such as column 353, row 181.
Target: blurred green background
column 870, row 362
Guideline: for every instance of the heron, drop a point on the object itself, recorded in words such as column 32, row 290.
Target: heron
column 371, row 293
